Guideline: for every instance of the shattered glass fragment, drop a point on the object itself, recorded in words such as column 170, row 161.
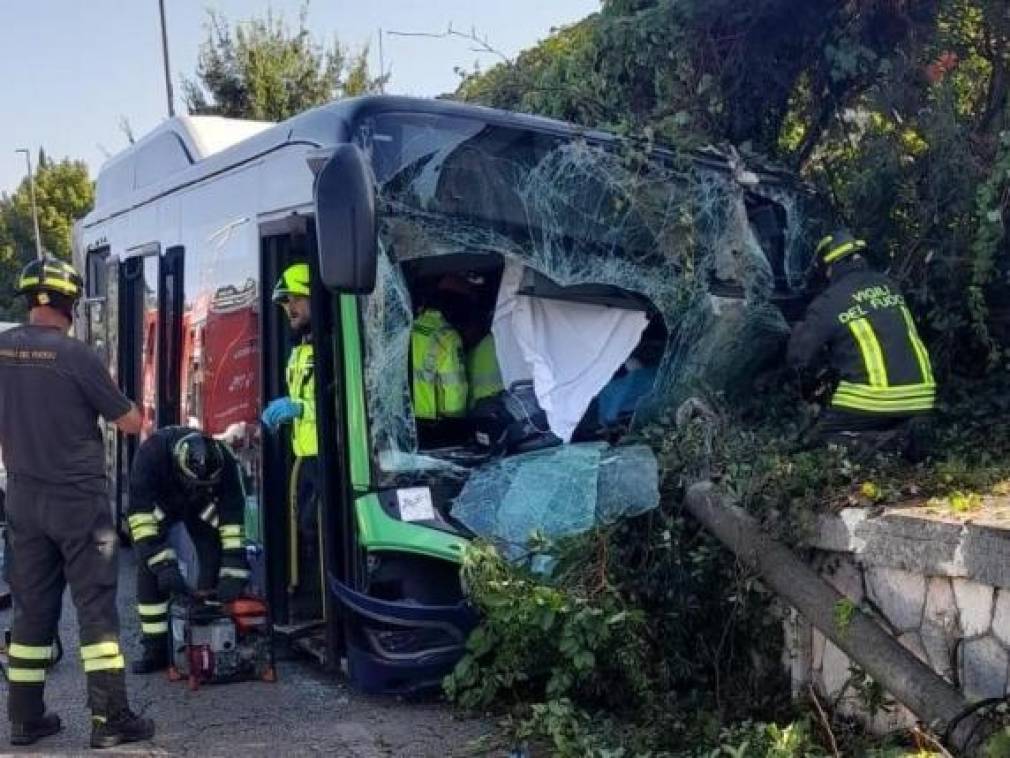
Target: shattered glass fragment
column 558, row 492
column 628, row 483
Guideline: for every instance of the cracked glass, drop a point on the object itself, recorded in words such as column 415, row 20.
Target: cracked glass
column 709, row 246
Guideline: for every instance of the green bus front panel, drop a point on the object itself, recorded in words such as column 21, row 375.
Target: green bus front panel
column 377, row 530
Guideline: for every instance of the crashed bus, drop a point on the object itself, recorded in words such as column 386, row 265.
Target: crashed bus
column 616, row 277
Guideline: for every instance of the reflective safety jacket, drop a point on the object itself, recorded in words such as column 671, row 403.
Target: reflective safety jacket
column 157, row 501
column 862, row 321
column 302, row 388
column 439, row 377
column 482, row 371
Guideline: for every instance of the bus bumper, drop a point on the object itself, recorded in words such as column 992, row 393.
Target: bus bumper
column 401, row 648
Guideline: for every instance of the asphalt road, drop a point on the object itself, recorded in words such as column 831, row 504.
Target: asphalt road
column 304, row 713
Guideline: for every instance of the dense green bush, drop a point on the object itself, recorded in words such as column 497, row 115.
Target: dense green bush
column 650, row 637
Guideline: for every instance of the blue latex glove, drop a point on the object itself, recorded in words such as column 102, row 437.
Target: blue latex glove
column 281, row 411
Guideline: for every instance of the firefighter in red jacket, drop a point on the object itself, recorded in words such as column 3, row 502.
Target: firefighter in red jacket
column 181, row 475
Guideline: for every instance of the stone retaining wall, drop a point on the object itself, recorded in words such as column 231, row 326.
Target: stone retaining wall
column 941, row 587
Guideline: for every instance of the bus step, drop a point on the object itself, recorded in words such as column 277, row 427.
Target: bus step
column 313, row 645
column 292, row 632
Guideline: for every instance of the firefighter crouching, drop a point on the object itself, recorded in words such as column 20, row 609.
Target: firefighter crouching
column 861, row 326
column 53, row 388
column 181, row 475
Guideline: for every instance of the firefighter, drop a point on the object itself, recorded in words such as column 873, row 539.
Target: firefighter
column 180, row 475
column 298, row 408
column 52, row 390
column 864, row 330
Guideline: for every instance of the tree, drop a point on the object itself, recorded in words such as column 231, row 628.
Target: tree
column 897, row 109
column 718, row 70
column 63, row 193
column 261, row 69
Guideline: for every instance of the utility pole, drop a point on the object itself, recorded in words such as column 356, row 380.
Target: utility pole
column 35, row 210
column 164, row 51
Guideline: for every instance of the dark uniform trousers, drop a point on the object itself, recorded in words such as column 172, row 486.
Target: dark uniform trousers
column 152, row 603
column 308, row 494
column 60, row 535
column 306, row 483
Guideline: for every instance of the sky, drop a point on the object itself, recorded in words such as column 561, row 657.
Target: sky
column 73, row 70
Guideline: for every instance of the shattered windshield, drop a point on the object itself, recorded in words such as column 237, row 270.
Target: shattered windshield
column 643, row 242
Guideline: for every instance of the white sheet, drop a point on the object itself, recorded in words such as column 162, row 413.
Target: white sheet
column 570, row 350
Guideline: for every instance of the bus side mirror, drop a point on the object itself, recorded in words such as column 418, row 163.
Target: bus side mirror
column 345, row 222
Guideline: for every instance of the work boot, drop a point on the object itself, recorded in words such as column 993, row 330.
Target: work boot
column 125, row 726
column 152, row 660
column 29, row 732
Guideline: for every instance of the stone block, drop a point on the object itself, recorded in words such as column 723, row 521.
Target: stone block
column 974, row 605
column 900, row 596
column 817, row 642
column 1001, row 617
column 940, row 628
column 984, row 664
column 901, row 539
column 941, row 605
column 985, row 552
column 834, row 669
column 837, row 532
column 797, row 655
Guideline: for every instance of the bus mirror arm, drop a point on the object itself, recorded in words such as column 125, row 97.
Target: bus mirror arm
column 345, row 222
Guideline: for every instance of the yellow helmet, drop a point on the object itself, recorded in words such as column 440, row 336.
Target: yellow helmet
column 45, row 277
column 839, row 244
column 294, row 281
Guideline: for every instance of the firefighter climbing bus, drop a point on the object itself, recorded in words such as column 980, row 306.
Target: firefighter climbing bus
column 558, row 242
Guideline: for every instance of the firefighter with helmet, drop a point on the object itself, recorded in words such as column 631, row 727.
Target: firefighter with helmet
column 860, row 326
column 53, row 388
column 298, row 408
column 181, row 475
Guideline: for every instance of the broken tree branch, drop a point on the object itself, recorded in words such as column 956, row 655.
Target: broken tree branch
column 932, row 741
column 482, row 43
column 932, row 699
column 825, row 721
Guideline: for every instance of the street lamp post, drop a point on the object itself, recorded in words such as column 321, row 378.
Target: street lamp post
column 164, row 53
column 35, row 210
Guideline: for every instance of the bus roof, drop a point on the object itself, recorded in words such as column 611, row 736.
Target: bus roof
column 189, row 149
column 174, row 145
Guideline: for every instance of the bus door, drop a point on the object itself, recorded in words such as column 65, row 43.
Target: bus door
column 275, row 247
column 132, row 303
column 296, row 570
column 138, row 350
column 169, row 338
column 148, row 349
column 151, row 335
column 101, row 313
